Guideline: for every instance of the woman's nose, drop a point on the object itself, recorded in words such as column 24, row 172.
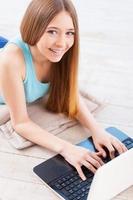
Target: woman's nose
column 61, row 41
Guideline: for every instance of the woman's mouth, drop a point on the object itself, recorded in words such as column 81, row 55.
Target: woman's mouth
column 57, row 52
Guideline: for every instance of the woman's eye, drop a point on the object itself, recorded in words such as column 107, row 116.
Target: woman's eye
column 70, row 33
column 52, row 32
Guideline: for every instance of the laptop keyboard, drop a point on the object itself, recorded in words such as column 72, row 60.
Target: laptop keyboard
column 71, row 186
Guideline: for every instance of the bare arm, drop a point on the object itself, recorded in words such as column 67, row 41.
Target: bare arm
column 36, row 134
column 85, row 117
column 13, row 91
column 100, row 137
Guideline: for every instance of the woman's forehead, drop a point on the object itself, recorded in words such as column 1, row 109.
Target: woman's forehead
column 63, row 20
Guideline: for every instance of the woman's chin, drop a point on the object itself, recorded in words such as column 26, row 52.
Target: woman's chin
column 54, row 60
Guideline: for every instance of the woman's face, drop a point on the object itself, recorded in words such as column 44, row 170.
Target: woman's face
column 58, row 37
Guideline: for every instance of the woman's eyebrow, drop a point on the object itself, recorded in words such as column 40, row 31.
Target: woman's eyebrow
column 56, row 28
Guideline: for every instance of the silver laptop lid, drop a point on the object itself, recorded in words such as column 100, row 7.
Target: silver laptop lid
column 113, row 177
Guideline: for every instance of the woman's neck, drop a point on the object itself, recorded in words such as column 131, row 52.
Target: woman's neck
column 38, row 58
column 42, row 65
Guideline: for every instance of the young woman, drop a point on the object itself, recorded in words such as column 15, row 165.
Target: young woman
column 45, row 60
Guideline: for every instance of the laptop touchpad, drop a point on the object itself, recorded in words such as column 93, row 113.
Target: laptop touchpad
column 52, row 168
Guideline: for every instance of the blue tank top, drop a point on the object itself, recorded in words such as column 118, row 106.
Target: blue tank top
column 34, row 89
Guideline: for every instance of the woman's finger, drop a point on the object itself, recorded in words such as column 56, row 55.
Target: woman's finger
column 100, row 149
column 80, row 172
column 89, row 166
column 94, row 160
column 96, row 156
column 119, row 146
column 111, row 150
column 124, row 147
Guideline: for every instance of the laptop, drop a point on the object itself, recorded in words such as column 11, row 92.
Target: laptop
column 109, row 180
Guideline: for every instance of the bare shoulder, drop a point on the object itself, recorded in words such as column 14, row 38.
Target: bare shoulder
column 12, row 57
column 11, row 83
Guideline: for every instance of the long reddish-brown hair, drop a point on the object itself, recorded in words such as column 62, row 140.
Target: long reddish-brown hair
column 63, row 97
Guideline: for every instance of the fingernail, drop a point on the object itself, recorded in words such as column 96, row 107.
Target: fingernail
column 84, row 178
column 104, row 155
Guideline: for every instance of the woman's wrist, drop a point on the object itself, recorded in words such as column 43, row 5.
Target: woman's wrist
column 64, row 146
column 95, row 129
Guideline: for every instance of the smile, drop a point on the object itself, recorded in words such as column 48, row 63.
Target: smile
column 57, row 51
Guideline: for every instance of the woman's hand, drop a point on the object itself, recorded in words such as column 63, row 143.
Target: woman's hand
column 79, row 156
column 104, row 139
